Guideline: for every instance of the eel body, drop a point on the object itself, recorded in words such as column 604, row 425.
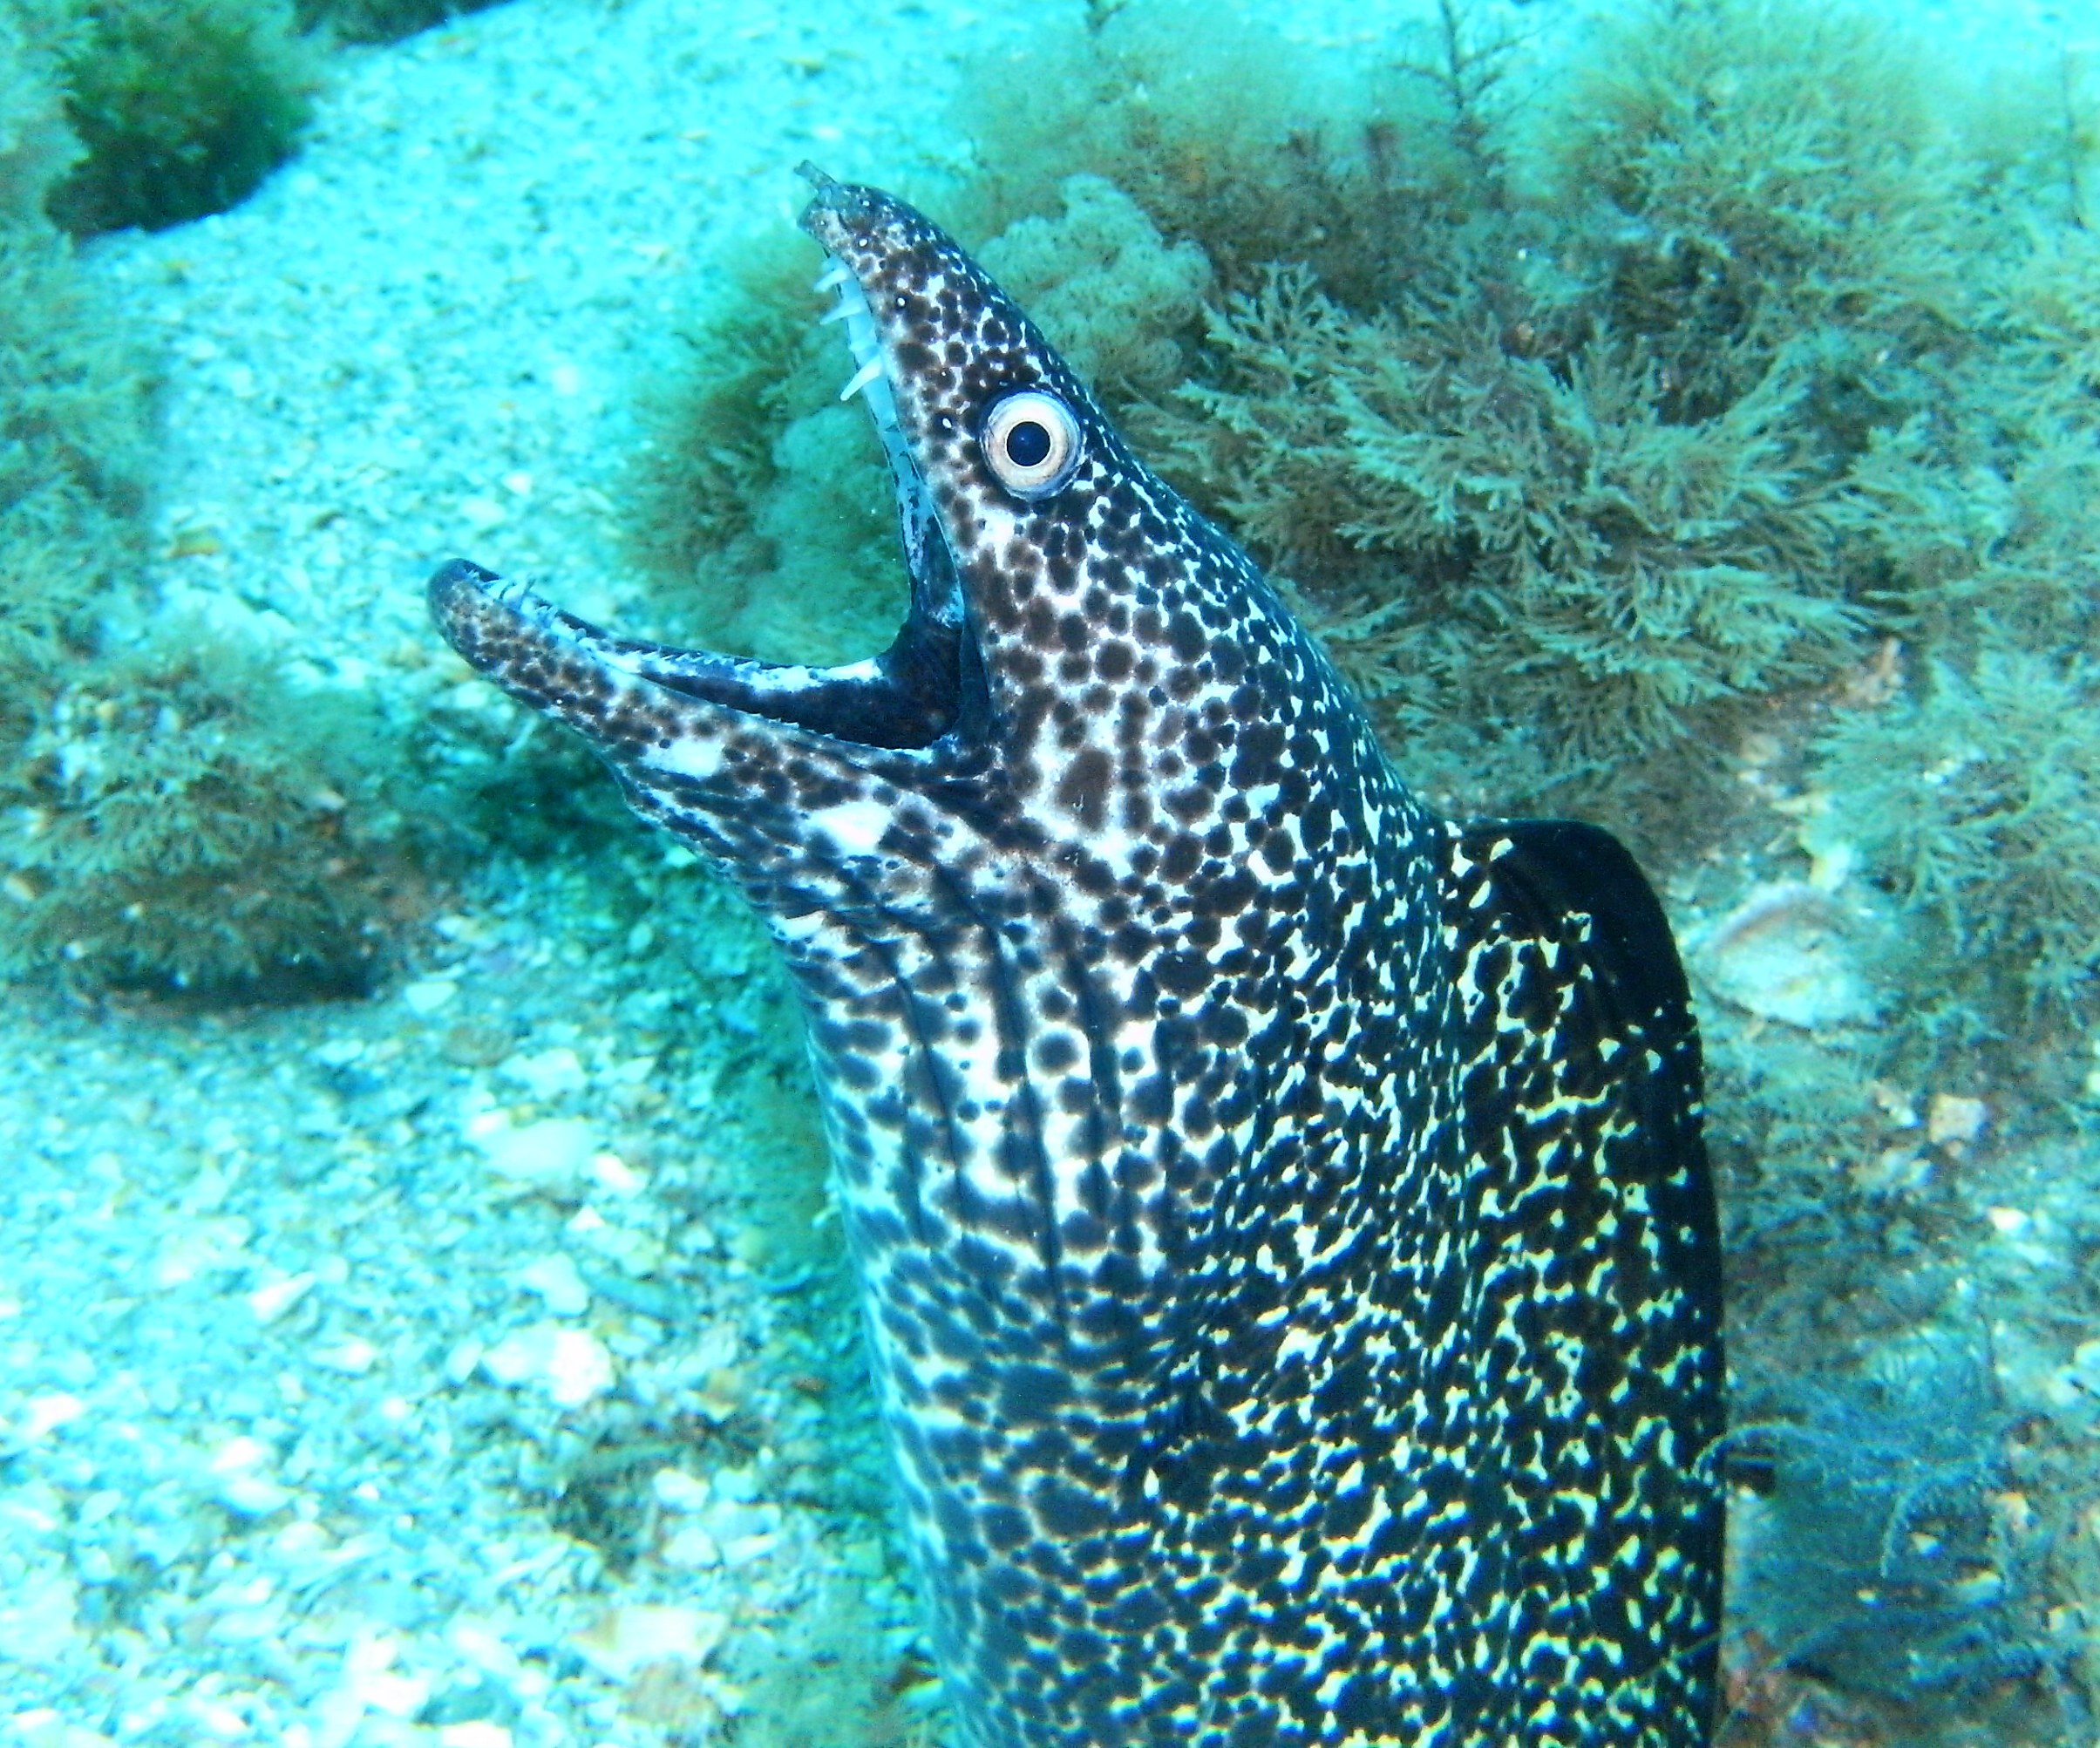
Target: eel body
column 1287, row 1245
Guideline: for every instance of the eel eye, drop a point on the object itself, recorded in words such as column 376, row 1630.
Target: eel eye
column 1031, row 443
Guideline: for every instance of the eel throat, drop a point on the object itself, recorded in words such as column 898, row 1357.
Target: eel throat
column 1287, row 1248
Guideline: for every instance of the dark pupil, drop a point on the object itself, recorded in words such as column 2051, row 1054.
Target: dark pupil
column 1028, row 445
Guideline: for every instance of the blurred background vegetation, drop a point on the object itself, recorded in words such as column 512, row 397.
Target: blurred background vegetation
column 179, row 815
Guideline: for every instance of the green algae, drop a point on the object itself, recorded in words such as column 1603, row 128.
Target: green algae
column 170, row 110
column 1355, row 172
column 174, row 814
column 181, row 108
column 1894, row 1576
column 758, row 507
column 1976, row 795
column 1124, row 307
column 1744, row 176
column 379, row 21
column 183, row 818
column 75, row 411
column 36, row 145
column 1516, row 549
column 76, row 394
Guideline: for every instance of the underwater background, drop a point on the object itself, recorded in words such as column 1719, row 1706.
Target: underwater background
column 422, row 1317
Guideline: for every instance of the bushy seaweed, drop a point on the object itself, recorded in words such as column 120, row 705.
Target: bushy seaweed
column 181, row 108
column 380, row 21
column 75, row 393
column 760, row 506
column 1124, row 307
column 181, row 816
column 1512, row 550
column 1977, row 797
column 74, row 407
column 172, row 815
column 1357, row 173
column 36, row 145
column 1974, row 791
column 1875, row 1557
column 1752, row 179
column 2044, row 135
column 75, row 400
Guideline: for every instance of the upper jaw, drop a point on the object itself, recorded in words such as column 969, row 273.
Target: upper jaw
column 846, row 219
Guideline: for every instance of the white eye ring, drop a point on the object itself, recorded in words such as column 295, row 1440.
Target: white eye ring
column 1030, row 442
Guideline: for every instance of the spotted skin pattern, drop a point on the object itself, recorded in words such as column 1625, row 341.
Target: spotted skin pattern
column 1287, row 1248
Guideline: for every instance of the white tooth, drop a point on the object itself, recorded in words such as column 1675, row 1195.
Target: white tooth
column 882, row 405
column 861, row 378
column 839, row 312
column 837, row 273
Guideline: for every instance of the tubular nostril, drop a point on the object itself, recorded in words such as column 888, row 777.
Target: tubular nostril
column 826, row 187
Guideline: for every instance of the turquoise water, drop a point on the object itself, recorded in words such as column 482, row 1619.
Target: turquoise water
column 424, row 1314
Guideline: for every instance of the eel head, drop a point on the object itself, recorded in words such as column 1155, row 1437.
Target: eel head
column 1090, row 678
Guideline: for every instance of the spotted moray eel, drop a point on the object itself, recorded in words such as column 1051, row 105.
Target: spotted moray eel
column 1285, row 1242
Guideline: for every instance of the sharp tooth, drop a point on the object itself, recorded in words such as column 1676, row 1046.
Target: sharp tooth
column 837, row 273
column 837, row 313
column 861, row 378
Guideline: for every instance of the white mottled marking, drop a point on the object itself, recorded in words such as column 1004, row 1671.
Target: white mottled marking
column 689, row 756
column 855, row 827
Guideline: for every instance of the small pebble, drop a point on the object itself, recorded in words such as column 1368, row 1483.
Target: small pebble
column 691, row 1547
column 38, row 1621
column 427, row 994
column 239, row 1483
column 274, row 1298
column 677, row 1491
column 461, row 1362
column 44, row 1414
column 546, row 1073
column 627, row 1639
column 352, row 1357
column 370, row 1678
column 1952, row 1120
column 612, row 1174
column 555, row 1280
column 552, row 1154
column 475, row 1732
column 742, row 1550
column 571, row 1365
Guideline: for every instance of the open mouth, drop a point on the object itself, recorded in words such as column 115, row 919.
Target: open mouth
column 910, row 695
column 906, row 698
